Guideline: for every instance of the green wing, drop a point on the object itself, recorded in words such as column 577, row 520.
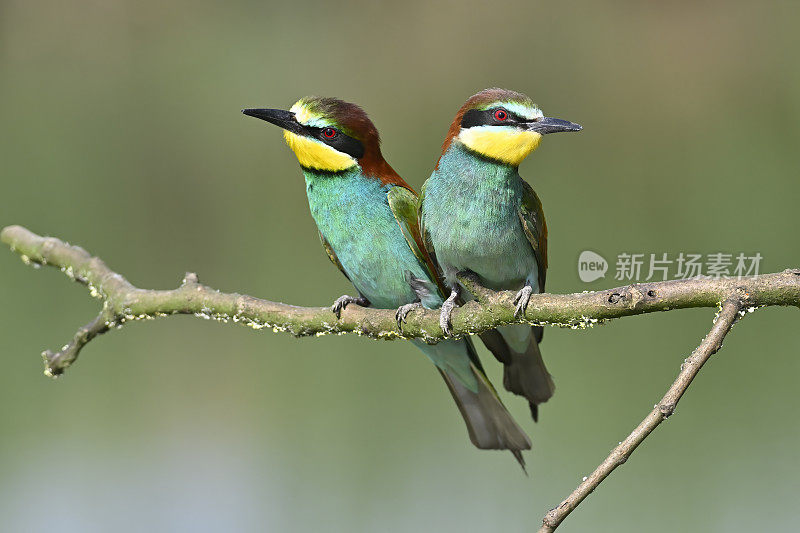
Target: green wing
column 531, row 217
column 426, row 237
column 403, row 203
column 332, row 255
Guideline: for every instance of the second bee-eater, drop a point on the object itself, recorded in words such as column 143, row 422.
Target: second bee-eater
column 479, row 215
column 367, row 220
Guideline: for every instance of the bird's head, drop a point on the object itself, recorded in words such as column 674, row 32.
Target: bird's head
column 329, row 135
column 502, row 125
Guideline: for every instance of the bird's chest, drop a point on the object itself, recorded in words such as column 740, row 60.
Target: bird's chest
column 478, row 228
column 355, row 218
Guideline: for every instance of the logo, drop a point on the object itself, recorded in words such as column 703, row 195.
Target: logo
column 636, row 267
column 591, row 266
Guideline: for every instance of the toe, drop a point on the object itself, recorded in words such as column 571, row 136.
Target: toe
column 338, row 305
column 521, row 300
column 444, row 321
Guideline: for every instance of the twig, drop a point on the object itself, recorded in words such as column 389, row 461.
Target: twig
column 663, row 409
column 55, row 362
column 123, row 302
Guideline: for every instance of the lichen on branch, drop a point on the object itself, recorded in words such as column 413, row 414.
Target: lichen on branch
column 123, row 302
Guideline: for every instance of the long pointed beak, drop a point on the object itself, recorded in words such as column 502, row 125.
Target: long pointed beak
column 279, row 117
column 547, row 125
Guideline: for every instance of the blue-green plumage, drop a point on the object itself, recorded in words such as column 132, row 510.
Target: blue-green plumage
column 352, row 213
column 479, row 215
column 367, row 220
column 471, row 213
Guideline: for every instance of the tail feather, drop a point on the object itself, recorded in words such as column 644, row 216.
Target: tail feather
column 524, row 371
column 489, row 424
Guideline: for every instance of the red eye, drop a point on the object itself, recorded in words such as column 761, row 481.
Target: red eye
column 329, row 133
column 500, row 114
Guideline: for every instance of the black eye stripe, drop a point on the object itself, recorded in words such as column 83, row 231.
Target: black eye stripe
column 341, row 142
column 485, row 117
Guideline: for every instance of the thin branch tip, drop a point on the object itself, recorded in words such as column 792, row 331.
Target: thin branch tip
column 665, row 408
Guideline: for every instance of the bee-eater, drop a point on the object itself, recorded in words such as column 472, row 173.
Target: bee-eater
column 367, row 221
column 477, row 214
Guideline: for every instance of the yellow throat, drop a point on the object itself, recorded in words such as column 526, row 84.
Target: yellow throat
column 510, row 146
column 316, row 154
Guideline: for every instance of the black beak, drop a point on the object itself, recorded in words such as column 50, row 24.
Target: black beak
column 279, row 117
column 547, row 125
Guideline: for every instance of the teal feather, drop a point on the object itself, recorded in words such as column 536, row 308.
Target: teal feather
column 470, row 212
column 369, row 227
column 353, row 215
column 371, row 242
column 480, row 215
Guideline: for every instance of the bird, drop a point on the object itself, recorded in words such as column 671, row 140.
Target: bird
column 366, row 215
column 478, row 215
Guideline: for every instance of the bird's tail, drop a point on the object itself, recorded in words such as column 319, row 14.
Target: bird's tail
column 524, row 373
column 489, row 424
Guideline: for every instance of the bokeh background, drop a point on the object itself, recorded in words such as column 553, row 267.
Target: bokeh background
column 120, row 131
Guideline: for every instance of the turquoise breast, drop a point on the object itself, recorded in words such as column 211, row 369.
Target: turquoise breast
column 353, row 214
column 470, row 211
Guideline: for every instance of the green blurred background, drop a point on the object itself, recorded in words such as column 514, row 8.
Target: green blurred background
column 120, row 130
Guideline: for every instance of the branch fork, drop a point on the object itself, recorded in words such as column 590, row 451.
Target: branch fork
column 123, row 302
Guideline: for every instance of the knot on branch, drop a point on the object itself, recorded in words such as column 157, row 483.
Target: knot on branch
column 190, row 279
column 667, row 409
column 629, row 297
column 551, row 521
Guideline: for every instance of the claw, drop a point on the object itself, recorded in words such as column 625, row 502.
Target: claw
column 447, row 311
column 402, row 312
column 521, row 300
column 345, row 300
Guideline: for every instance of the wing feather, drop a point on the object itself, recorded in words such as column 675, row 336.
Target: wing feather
column 332, row 254
column 404, row 205
column 531, row 216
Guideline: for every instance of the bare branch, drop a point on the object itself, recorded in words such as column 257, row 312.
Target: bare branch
column 123, row 302
column 711, row 344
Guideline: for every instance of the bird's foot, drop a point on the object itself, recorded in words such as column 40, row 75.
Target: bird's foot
column 345, row 300
column 446, row 314
column 402, row 312
column 521, row 300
